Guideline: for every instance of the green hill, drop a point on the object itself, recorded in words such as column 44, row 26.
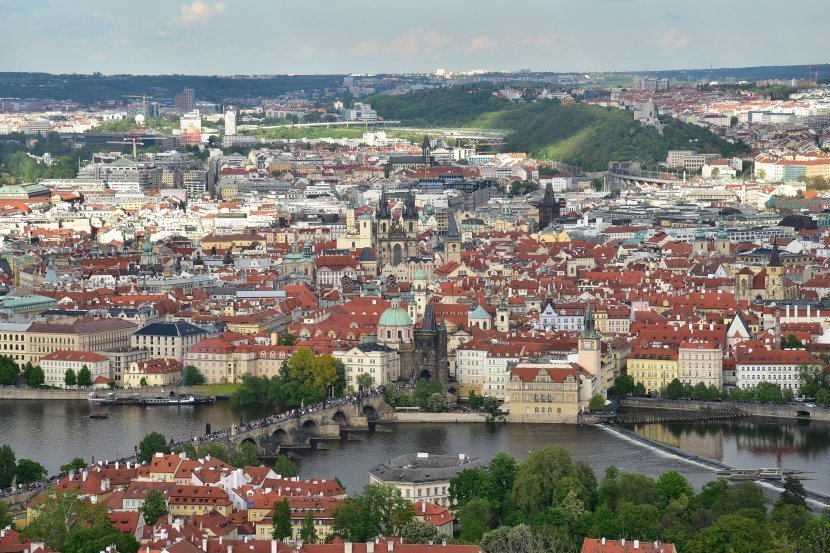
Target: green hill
column 588, row 136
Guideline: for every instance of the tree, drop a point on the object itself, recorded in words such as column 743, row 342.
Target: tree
column 624, row 385
column 422, row 532
column 812, row 380
column 93, row 540
column 143, row 382
column 793, row 494
column 8, row 371
column 69, row 378
column 62, row 512
column 436, row 402
column 8, row 466
column 35, row 378
column 245, row 456
column 29, row 471
column 732, row 533
column 467, row 485
column 768, row 392
column 151, row 444
column 84, row 377
column 674, row 390
column 285, row 466
column 192, row 377
column 308, row 533
column 385, row 505
column 791, row 342
column 5, row 519
column 282, row 520
column 351, row 522
column 75, row 464
column 286, row 339
column 672, row 485
column 424, row 388
column 523, row 539
column 154, row 507
column 365, row 381
column 474, row 519
column 597, row 403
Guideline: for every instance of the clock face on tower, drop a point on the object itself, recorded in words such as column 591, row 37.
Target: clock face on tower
column 587, row 345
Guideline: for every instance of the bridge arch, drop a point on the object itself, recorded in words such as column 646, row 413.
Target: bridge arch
column 281, row 436
column 249, row 441
column 370, row 412
column 802, row 414
column 310, row 428
column 339, row 418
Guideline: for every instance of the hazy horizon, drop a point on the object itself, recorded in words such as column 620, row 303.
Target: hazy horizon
column 262, row 37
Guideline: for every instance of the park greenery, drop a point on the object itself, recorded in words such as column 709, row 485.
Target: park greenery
column 584, row 135
column 812, row 386
column 549, row 497
column 19, row 471
column 65, row 522
column 379, row 510
column 154, row 507
column 22, row 167
column 304, row 379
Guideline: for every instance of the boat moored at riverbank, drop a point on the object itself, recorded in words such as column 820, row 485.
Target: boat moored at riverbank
column 112, row 399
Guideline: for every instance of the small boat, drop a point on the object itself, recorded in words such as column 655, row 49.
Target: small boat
column 99, row 415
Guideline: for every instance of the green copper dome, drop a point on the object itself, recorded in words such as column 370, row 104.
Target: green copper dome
column 420, row 274
column 395, row 316
column 478, row 314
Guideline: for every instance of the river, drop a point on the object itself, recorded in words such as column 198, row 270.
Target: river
column 53, row 432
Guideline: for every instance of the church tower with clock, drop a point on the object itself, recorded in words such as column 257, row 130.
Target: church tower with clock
column 590, row 348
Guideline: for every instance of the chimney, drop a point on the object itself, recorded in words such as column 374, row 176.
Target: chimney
column 390, row 546
column 622, row 542
column 273, row 546
column 370, row 547
column 204, row 544
column 636, row 544
column 230, row 549
column 423, row 507
column 602, row 541
column 347, row 547
column 84, row 475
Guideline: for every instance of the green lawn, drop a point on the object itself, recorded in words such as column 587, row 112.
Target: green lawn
column 216, row 389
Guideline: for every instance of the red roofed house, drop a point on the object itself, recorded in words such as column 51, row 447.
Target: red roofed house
column 779, row 366
column 56, row 364
column 602, row 545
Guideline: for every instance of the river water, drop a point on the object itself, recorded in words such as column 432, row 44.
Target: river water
column 53, row 432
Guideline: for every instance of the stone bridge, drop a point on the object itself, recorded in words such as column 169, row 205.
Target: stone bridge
column 307, row 430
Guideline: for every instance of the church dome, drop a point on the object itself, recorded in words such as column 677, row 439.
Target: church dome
column 479, row 313
column 420, row 274
column 395, row 316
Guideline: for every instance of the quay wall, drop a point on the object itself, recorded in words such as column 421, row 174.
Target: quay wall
column 786, row 411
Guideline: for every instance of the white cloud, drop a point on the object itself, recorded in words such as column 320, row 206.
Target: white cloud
column 199, row 12
column 674, row 39
column 101, row 16
column 417, row 41
column 366, row 47
column 545, row 40
column 479, row 43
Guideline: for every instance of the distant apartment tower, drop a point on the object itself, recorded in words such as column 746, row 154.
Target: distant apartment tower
column 186, row 101
column 191, row 127
column 230, row 121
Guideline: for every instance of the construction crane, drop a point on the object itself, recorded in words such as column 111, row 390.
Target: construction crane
column 134, row 140
column 143, row 102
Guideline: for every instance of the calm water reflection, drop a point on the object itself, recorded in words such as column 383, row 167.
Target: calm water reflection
column 54, row 432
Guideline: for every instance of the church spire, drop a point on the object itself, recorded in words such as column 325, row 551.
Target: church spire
column 775, row 257
column 589, row 324
column 383, row 205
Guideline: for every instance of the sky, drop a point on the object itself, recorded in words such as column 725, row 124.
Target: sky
column 228, row 37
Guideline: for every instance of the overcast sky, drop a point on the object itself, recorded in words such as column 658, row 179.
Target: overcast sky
column 343, row 36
